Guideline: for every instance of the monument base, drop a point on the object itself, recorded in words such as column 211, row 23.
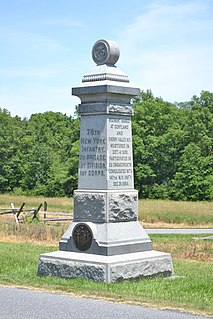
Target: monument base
column 105, row 268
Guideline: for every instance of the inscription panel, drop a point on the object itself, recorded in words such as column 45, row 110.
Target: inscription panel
column 92, row 173
column 120, row 163
column 105, row 160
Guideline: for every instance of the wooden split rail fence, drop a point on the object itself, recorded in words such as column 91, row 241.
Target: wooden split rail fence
column 20, row 212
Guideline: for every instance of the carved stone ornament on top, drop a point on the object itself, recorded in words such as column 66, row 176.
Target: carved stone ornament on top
column 105, row 52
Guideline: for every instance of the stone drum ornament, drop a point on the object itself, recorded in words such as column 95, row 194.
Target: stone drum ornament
column 105, row 52
column 105, row 242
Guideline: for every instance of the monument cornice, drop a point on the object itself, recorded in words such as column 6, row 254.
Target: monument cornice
column 95, row 88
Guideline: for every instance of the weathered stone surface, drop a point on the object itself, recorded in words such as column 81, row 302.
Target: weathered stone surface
column 90, row 207
column 123, row 207
column 105, row 205
column 70, row 269
column 105, row 268
column 122, row 109
column 141, row 268
column 105, row 108
column 92, row 108
column 105, row 52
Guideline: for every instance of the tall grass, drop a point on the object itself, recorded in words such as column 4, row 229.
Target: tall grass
column 56, row 204
column 32, row 232
column 185, row 246
column 173, row 212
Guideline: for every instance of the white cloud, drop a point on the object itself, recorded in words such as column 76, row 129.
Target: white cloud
column 169, row 49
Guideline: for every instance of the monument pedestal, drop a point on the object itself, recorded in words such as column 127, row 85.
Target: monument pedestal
column 109, row 218
column 105, row 268
column 105, row 242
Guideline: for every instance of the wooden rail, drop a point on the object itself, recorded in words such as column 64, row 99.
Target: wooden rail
column 36, row 213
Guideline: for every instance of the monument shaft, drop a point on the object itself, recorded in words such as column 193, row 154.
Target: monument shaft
column 106, row 200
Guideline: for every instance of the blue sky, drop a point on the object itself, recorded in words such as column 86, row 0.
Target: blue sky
column 166, row 46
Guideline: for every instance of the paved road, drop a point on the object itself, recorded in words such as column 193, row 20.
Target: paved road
column 179, row 231
column 16, row 303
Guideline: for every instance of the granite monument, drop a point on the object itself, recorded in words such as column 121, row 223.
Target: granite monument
column 105, row 242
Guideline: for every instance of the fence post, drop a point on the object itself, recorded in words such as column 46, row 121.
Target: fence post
column 45, row 209
column 20, row 210
column 36, row 211
column 14, row 213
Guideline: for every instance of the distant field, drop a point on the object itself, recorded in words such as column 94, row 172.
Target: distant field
column 180, row 214
column 152, row 213
column 56, row 204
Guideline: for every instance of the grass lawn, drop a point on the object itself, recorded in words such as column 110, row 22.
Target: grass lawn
column 192, row 290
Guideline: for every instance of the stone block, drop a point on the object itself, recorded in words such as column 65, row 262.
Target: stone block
column 90, row 206
column 105, row 268
column 105, row 91
column 105, row 206
column 123, row 206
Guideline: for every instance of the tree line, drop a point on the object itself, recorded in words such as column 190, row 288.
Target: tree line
column 172, row 150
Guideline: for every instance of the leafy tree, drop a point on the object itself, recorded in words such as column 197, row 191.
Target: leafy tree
column 157, row 143
column 161, row 133
column 172, row 145
column 193, row 179
column 53, row 135
column 10, row 151
column 37, row 169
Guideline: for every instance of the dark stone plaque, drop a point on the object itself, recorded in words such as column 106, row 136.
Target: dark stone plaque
column 82, row 236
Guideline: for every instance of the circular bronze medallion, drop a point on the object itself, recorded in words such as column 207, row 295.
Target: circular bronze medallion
column 82, row 236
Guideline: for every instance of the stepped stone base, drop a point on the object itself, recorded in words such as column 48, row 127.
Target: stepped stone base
column 105, row 268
